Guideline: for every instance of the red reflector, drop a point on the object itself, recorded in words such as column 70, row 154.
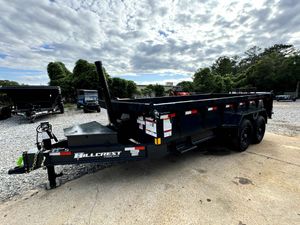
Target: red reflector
column 139, row 148
column 194, row 111
column 65, row 153
column 172, row 115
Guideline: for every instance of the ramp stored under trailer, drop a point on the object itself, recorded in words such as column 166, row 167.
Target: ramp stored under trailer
column 152, row 127
column 34, row 101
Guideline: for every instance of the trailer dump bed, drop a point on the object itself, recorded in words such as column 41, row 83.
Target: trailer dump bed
column 180, row 103
column 151, row 127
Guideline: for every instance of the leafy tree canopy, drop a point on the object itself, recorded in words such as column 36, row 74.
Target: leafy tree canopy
column 5, row 83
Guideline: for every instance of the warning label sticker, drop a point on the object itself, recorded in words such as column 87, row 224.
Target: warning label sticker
column 151, row 128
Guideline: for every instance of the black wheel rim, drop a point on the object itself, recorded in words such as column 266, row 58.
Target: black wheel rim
column 260, row 131
column 245, row 135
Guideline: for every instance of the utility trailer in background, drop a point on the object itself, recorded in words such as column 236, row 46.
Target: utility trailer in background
column 88, row 99
column 152, row 127
column 34, row 101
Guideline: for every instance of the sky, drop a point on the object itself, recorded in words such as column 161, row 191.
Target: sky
column 147, row 41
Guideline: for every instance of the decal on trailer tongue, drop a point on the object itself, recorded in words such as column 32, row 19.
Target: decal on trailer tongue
column 134, row 151
column 80, row 155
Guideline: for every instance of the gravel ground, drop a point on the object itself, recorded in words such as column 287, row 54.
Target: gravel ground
column 286, row 118
column 17, row 135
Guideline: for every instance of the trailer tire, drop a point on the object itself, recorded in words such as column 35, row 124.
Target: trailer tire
column 85, row 110
column 244, row 137
column 98, row 109
column 32, row 118
column 259, row 129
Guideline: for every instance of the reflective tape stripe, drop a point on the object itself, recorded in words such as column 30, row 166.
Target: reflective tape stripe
column 140, row 148
column 228, row 106
column 193, row 111
column 214, row 108
column 242, row 103
column 60, row 153
column 167, row 116
column 164, row 117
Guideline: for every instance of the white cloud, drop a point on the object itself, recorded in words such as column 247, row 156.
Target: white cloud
column 142, row 36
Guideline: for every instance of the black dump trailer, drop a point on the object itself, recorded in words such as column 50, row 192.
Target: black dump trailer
column 152, row 127
column 34, row 101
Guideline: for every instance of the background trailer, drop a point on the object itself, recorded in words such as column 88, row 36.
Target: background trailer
column 34, row 101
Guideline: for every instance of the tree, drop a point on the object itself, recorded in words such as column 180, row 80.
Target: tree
column 6, row 83
column 57, row 71
column 156, row 89
column 224, row 65
column 159, row 90
column 280, row 49
column 131, row 89
column 85, row 75
column 59, row 75
column 186, row 86
column 147, row 91
column 203, row 80
column 118, row 87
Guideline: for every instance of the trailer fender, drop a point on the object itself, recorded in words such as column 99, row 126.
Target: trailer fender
column 253, row 116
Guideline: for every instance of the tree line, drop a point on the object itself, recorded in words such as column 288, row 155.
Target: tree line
column 275, row 68
column 84, row 76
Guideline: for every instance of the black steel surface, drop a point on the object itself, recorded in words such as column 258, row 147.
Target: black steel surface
column 90, row 134
column 106, row 94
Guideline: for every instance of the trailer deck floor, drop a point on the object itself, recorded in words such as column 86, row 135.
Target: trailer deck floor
column 259, row 186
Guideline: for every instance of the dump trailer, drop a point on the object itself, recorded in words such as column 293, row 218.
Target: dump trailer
column 151, row 127
column 34, row 101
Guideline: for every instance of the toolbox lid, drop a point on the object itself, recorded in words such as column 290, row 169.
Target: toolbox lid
column 91, row 128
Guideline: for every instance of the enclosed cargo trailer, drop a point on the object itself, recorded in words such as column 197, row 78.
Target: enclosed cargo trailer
column 152, row 127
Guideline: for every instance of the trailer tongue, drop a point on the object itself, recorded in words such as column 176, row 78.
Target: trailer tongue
column 152, row 127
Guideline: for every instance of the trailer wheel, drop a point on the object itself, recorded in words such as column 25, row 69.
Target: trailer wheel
column 32, row 118
column 85, row 110
column 98, row 109
column 259, row 129
column 244, row 137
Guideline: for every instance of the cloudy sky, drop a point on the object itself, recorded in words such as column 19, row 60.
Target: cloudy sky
column 146, row 41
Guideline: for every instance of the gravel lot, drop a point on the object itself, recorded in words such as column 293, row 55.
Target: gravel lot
column 17, row 135
column 286, row 118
